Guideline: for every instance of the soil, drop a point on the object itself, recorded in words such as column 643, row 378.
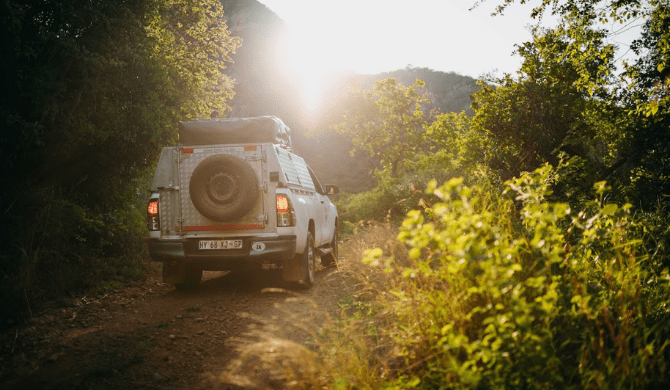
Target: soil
column 237, row 331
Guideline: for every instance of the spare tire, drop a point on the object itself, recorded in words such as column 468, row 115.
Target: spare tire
column 223, row 187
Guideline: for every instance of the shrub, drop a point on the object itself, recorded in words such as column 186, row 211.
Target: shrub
column 64, row 248
column 391, row 199
column 508, row 290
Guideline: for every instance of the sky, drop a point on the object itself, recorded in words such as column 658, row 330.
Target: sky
column 373, row 36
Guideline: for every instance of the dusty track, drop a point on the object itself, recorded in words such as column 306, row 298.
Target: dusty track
column 150, row 336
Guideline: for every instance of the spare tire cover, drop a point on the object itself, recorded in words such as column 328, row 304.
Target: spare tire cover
column 223, row 187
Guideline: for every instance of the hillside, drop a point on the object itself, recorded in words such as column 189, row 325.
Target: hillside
column 449, row 92
column 264, row 86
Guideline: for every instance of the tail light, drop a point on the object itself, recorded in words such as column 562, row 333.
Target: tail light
column 285, row 213
column 153, row 220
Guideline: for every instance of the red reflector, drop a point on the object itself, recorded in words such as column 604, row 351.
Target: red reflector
column 152, row 208
column 249, row 148
column 282, row 204
column 187, row 150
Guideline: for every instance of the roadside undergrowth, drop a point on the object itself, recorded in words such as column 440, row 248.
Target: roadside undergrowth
column 499, row 288
column 492, row 288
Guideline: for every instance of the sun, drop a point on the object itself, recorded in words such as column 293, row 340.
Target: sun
column 308, row 61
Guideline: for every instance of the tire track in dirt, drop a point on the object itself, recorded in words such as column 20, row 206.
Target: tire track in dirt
column 150, row 336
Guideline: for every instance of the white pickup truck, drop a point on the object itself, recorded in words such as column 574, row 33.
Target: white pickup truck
column 232, row 195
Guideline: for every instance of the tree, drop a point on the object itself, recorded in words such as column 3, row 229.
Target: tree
column 541, row 114
column 451, row 148
column 92, row 90
column 85, row 76
column 645, row 167
column 634, row 151
column 386, row 122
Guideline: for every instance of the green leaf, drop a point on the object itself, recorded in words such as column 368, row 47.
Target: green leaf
column 609, row 209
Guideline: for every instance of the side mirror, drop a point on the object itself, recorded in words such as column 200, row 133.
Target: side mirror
column 332, row 189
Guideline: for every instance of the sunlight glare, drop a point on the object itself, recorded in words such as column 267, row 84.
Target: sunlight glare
column 375, row 36
column 309, row 62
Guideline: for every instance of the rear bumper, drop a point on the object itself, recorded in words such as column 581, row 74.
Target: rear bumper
column 274, row 250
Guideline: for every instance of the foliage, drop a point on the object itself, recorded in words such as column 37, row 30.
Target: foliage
column 391, row 199
column 91, row 91
column 66, row 247
column 86, row 76
column 616, row 127
column 445, row 149
column 544, row 112
column 386, row 122
column 565, row 107
column 644, row 167
column 452, row 147
column 447, row 91
column 508, row 290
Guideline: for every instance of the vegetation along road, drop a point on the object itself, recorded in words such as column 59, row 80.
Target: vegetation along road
column 521, row 237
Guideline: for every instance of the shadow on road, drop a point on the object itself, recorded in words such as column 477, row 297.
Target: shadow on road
column 245, row 283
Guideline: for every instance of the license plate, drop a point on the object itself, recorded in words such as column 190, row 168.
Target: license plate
column 220, row 244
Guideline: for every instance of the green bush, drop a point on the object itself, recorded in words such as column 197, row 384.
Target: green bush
column 63, row 248
column 508, row 290
column 393, row 197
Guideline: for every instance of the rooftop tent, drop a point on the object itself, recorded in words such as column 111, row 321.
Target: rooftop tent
column 234, row 131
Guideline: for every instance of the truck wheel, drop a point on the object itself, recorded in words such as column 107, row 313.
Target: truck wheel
column 223, row 187
column 308, row 263
column 191, row 280
column 331, row 258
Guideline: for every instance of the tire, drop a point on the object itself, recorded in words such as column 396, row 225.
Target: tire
column 330, row 259
column 192, row 279
column 307, row 261
column 223, row 187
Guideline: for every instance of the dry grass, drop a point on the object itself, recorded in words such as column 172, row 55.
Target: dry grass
column 354, row 350
column 339, row 346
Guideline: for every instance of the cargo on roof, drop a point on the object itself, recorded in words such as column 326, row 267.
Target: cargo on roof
column 234, row 131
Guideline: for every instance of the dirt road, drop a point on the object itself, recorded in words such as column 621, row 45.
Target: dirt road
column 150, row 336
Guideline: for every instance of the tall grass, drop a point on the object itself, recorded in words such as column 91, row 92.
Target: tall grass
column 498, row 288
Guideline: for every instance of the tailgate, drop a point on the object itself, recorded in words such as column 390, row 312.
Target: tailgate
column 224, row 168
